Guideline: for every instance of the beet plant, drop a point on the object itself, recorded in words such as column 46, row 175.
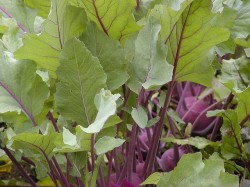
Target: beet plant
column 125, row 93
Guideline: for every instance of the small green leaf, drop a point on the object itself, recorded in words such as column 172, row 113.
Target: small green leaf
column 139, row 115
column 198, row 142
column 153, row 178
column 105, row 102
column 106, row 144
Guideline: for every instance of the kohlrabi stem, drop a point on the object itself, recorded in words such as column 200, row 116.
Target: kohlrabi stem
column 53, row 121
column 63, row 178
column 19, row 167
column 128, row 166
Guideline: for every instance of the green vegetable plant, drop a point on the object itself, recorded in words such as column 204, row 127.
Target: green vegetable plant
column 125, row 93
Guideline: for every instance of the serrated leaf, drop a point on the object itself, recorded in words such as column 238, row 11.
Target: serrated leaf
column 110, row 53
column 105, row 102
column 58, row 28
column 81, row 78
column 149, row 67
column 189, row 38
column 106, row 144
column 210, row 173
column 112, row 16
column 139, row 115
column 198, row 142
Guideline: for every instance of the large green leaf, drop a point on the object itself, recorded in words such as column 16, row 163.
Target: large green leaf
column 24, row 15
column 208, row 173
column 81, row 78
column 189, row 35
column 21, row 89
column 110, row 53
column 43, row 7
column 114, row 17
column 58, row 28
column 149, row 67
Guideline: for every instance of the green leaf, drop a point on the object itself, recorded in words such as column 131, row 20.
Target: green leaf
column 113, row 17
column 110, row 53
column 81, row 78
column 243, row 107
column 36, row 143
column 190, row 37
column 43, row 7
column 139, row 115
column 70, row 143
column 232, row 144
column 241, row 23
column 58, row 28
column 21, row 89
column 235, row 74
column 24, row 15
column 11, row 38
column 198, row 142
column 153, row 178
column 210, row 173
column 106, row 144
column 105, row 102
column 149, row 67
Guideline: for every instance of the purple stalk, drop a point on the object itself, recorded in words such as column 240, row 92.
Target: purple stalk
column 22, row 172
column 10, row 16
column 157, row 135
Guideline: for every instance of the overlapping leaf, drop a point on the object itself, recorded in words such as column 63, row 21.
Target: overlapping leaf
column 114, row 17
column 235, row 74
column 105, row 102
column 57, row 29
column 110, row 53
column 190, row 37
column 81, row 78
column 149, row 67
column 36, row 143
column 21, row 89
column 208, row 173
column 24, row 15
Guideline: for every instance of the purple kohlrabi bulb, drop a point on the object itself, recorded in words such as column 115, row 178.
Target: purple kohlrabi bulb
column 167, row 160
